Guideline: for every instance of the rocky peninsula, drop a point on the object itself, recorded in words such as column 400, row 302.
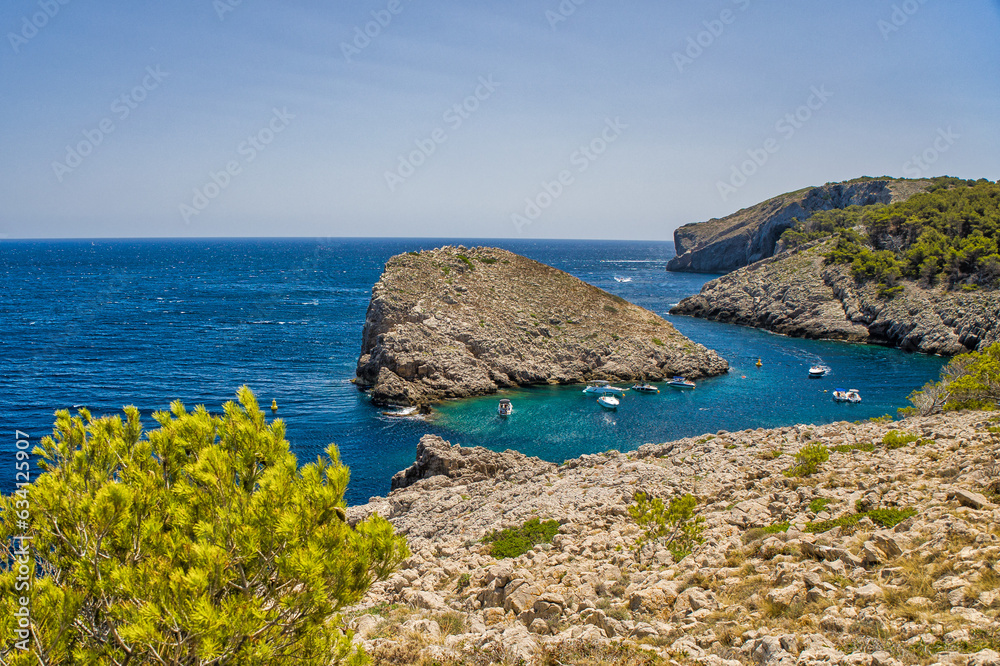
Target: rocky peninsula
column 456, row 322
column 751, row 234
column 886, row 555
column 797, row 293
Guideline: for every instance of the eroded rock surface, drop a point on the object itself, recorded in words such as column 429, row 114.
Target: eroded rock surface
column 795, row 293
column 457, row 322
column 771, row 584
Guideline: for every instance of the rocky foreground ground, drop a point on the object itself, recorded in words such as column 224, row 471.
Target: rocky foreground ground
column 766, row 587
column 456, row 322
column 796, row 293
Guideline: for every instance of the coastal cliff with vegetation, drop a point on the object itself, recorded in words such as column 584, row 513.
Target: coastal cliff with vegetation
column 751, row 234
column 456, row 322
column 861, row 544
column 920, row 275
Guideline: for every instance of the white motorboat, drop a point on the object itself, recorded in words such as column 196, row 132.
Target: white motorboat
column 645, row 388
column 505, row 408
column 817, row 371
column 608, row 402
column 849, row 395
column 602, row 387
column 680, row 382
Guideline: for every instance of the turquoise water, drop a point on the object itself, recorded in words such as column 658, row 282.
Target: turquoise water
column 557, row 422
column 104, row 324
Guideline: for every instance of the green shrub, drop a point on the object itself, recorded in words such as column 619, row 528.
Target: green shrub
column 200, row 541
column 467, row 261
column 969, row 381
column 809, row 459
column 658, row 342
column 888, row 292
column 675, row 524
column 867, row 447
column 518, row 541
column 894, row 439
column 819, row 503
column 890, row 517
column 885, row 517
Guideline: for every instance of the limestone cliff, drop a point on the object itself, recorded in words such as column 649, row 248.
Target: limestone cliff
column 751, row 234
column 796, row 294
column 457, row 322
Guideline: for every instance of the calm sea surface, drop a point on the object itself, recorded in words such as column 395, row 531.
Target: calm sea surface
column 103, row 324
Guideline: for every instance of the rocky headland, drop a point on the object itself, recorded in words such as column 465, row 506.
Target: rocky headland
column 794, row 569
column 749, row 235
column 796, row 293
column 456, row 322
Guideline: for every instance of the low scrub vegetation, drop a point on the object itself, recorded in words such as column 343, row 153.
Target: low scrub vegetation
column 969, row 381
column 513, row 542
column 809, row 459
column 674, row 523
column 894, row 439
column 883, row 517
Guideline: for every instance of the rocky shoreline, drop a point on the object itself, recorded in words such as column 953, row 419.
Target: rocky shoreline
column 795, row 293
column 766, row 587
column 749, row 235
column 457, row 322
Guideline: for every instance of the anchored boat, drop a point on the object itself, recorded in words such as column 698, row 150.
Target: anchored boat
column 608, row 402
column 849, row 395
column 505, row 408
column 680, row 382
column 602, row 387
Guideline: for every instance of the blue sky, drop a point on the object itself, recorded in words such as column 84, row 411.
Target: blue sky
column 496, row 119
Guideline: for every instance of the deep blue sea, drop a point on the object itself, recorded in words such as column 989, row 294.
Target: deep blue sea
column 107, row 323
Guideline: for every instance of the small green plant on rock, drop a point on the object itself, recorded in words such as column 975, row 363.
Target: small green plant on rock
column 518, row 541
column 809, row 459
column 887, row 518
column 867, row 447
column 895, row 439
column 674, row 523
column 819, row 503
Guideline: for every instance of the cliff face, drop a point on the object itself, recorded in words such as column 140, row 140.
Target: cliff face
column 795, row 294
column 456, row 322
column 749, row 235
column 788, row 572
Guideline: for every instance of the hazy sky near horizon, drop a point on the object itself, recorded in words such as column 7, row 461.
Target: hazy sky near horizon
column 549, row 119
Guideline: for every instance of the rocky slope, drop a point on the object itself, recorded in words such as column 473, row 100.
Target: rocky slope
column 768, row 586
column 795, row 294
column 457, row 322
column 749, row 235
